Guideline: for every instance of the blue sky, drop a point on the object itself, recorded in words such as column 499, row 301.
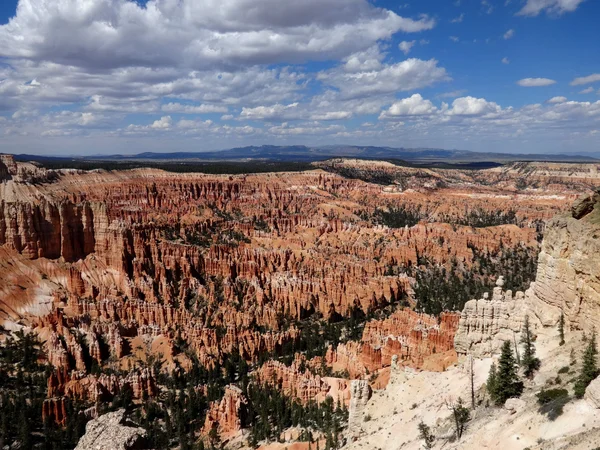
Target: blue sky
column 106, row 76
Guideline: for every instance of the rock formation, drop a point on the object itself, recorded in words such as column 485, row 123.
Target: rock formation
column 359, row 397
column 228, row 415
column 111, row 432
column 568, row 276
column 592, row 393
column 114, row 268
column 486, row 323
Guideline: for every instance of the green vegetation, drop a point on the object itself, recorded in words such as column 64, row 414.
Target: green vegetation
column 426, row 435
column 529, row 362
column 216, row 168
column 23, row 385
column 589, row 369
column 503, row 382
column 561, row 329
column 441, row 288
column 552, row 402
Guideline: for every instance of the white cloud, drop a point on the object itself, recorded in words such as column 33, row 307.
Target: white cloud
column 415, row 105
column 227, row 117
column 332, row 115
column 197, row 35
column 587, row 90
column 406, row 46
column 534, row 7
column 471, row 106
column 403, row 76
column 454, row 38
column 586, row 80
column 277, row 111
column 535, row 82
column 458, row 19
column 191, row 109
column 164, row 123
column 555, row 100
column 505, row 60
column 509, row 34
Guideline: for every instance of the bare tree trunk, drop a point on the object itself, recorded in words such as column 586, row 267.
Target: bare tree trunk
column 517, row 349
column 472, row 375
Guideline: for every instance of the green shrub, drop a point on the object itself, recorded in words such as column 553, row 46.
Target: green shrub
column 564, row 369
column 552, row 402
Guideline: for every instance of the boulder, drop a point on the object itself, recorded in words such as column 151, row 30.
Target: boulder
column 108, row 432
column 514, row 405
column 592, row 393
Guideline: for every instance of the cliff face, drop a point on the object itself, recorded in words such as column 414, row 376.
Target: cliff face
column 568, row 276
column 417, row 339
column 486, row 323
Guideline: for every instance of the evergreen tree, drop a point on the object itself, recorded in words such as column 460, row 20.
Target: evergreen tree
column 529, row 361
column 561, row 329
column 589, row 369
column 461, row 416
column 491, row 382
column 507, row 384
column 426, row 435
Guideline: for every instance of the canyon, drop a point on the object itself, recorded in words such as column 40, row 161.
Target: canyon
column 302, row 282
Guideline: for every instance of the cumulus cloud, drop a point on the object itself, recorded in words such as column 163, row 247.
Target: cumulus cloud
column 587, row 90
column 505, row 60
column 535, row 7
column 509, row 34
column 271, row 112
column 196, row 35
column 164, row 123
column 595, row 77
column 415, row 105
column 406, row 46
column 535, row 82
column 471, row 106
column 555, row 100
column 403, row 76
column 458, row 19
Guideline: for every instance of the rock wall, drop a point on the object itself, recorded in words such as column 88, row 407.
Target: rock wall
column 227, row 416
column 568, row 276
column 486, row 323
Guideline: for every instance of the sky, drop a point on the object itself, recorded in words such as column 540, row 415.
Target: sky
column 81, row 77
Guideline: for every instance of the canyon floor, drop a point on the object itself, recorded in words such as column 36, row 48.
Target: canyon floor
column 243, row 310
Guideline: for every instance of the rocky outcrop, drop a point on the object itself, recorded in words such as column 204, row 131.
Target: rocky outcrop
column 592, row 393
column 412, row 336
column 568, row 276
column 228, row 415
column 360, row 393
column 486, row 323
column 111, row 432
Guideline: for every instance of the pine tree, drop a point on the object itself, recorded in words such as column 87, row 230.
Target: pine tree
column 529, row 361
column 561, row 329
column 589, row 369
column 507, row 384
column 491, row 382
column 426, row 435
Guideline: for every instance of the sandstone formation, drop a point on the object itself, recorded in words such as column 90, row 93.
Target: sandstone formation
column 592, row 393
column 111, row 432
column 359, row 397
column 486, row 323
column 114, row 269
column 568, row 276
column 413, row 337
column 228, row 415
